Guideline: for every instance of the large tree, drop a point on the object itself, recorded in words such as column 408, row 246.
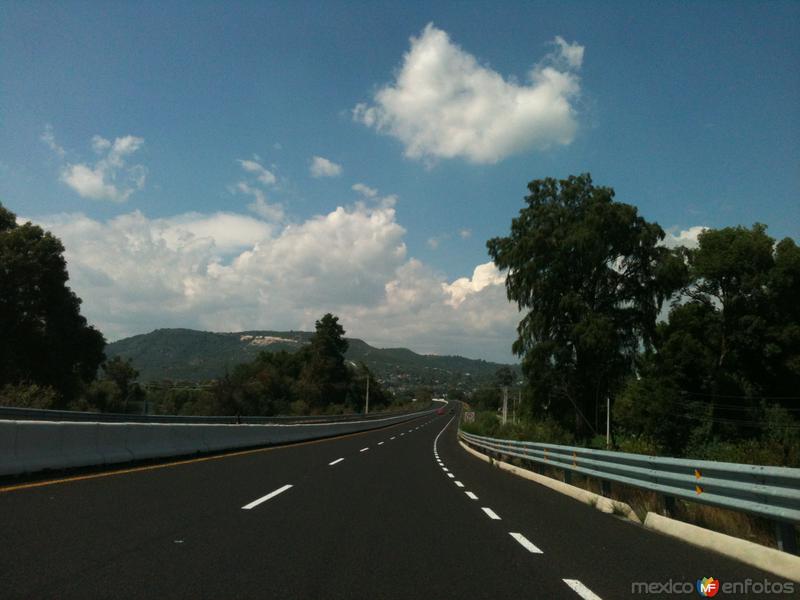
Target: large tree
column 592, row 275
column 325, row 378
column 43, row 337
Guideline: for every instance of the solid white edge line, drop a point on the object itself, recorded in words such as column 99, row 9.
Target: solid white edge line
column 338, row 460
column 459, row 484
column 471, row 495
column 255, row 503
column 581, row 589
column 490, row 513
column 364, row 449
column 525, row 543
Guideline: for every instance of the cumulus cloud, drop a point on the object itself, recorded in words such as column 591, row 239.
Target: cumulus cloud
column 226, row 272
column 322, row 167
column 445, row 104
column 483, row 276
column 110, row 177
column 465, row 233
column 685, row 237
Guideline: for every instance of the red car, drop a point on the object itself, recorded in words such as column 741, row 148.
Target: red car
column 440, row 411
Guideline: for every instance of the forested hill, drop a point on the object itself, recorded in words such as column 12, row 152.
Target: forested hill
column 189, row 355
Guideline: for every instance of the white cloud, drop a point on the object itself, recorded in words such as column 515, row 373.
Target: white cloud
column 433, row 243
column 570, row 54
column 685, row 237
column 110, row 178
column 322, row 167
column 444, row 104
column 227, row 272
column 260, row 205
column 262, row 174
column 49, row 138
column 465, row 233
column 365, row 190
column 483, row 276
column 100, row 144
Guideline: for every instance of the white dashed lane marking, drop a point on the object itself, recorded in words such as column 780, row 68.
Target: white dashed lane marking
column 255, row 503
column 490, row 513
column 581, row 590
column 525, row 543
column 338, row 460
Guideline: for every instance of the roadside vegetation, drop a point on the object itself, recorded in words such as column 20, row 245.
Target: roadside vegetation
column 697, row 350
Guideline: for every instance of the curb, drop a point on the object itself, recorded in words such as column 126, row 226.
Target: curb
column 767, row 559
column 601, row 503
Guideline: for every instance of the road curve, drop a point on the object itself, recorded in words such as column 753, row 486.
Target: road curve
column 402, row 512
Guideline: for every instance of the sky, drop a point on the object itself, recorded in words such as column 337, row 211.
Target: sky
column 236, row 166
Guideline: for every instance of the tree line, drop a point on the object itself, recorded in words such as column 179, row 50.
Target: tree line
column 696, row 349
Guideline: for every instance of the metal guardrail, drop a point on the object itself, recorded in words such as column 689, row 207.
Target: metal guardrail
column 772, row 492
column 37, row 414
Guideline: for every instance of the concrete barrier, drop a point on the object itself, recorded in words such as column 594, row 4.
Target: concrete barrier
column 31, row 446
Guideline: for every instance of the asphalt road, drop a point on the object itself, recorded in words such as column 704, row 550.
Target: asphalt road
column 371, row 515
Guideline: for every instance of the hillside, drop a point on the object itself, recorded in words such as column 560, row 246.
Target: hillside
column 196, row 356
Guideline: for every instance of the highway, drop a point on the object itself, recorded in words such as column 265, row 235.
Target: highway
column 400, row 512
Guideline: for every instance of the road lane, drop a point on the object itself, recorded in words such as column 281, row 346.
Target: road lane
column 604, row 552
column 388, row 523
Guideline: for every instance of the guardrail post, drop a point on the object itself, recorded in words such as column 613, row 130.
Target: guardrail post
column 567, row 476
column 605, row 488
column 785, row 537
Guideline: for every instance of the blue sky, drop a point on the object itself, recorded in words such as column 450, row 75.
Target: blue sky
column 689, row 111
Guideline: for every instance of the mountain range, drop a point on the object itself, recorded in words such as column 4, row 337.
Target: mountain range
column 187, row 355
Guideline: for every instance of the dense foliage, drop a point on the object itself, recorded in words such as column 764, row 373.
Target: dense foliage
column 592, row 275
column 716, row 377
column 44, row 340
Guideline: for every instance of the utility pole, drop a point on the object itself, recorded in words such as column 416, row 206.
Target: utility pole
column 505, row 404
column 366, row 410
column 608, row 422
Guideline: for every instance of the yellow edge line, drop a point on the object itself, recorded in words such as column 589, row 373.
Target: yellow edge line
column 35, row 484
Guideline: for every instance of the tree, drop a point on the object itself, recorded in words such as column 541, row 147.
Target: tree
column 504, row 376
column 324, row 379
column 736, row 341
column 592, row 275
column 121, row 372
column 726, row 365
column 43, row 337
